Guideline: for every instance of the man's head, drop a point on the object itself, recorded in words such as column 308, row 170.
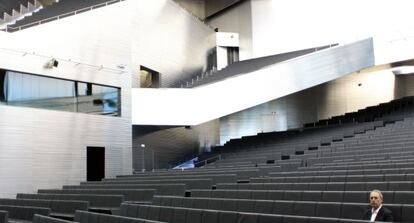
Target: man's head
column 375, row 199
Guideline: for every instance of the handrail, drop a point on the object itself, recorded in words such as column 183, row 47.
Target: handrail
column 12, row 29
column 206, row 160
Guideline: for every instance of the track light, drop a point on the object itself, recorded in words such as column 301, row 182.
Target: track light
column 52, row 63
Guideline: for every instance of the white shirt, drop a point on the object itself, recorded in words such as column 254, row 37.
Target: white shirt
column 374, row 213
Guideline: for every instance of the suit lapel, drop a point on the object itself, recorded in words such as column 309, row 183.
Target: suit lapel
column 380, row 214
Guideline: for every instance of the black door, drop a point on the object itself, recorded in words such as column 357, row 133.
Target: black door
column 95, row 163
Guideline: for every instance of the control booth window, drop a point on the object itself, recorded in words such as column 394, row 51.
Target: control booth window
column 26, row 90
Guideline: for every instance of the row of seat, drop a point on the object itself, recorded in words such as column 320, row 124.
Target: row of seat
column 328, row 186
column 383, row 158
column 214, row 176
column 62, row 208
column 390, row 197
column 401, row 212
column 4, row 216
column 137, row 195
column 336, row 178
column 192, row 172
column 190, row 180
column 344, row 172
column 194, row 183
column 192, row 215
column 359, row 166
column 328, row 154
column 23, row 213
column 88, row 217
column 37, row 218
column 161, row 189
column 96, row 202
column 241, row 172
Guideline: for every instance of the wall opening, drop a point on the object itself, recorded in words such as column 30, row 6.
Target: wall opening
column 95, row 163
column 232, row 55
column 149, row 78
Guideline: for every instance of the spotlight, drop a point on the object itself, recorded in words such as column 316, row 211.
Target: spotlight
column 55, row 63
column 52, row 63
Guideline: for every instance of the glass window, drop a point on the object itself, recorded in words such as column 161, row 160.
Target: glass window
column 98, row 99
column 34, row 91
column 40, row 92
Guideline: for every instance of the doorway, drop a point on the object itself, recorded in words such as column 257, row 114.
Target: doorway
column 149, row 78
column 95, row 163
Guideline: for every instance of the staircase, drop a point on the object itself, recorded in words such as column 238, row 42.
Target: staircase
column 14, row 10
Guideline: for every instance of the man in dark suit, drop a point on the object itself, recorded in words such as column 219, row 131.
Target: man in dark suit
column 377, row 212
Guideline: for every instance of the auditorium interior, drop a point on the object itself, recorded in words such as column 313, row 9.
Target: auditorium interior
column 206, row 111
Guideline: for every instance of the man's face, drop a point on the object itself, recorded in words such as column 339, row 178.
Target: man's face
column 375, row 200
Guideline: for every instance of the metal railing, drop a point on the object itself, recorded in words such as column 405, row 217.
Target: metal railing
column 78, row 11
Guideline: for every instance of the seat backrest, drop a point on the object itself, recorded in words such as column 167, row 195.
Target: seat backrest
column 305, row 208
column 295, row 219
column 355, row 196
column 403, row 197
column 4, row 215
column 332, row 196
column 46, row 219
column 227, row 217
column 265, row 218
column 259, row 194
column 396, row 210
column 282, row 207
column 312, row 195
column 331, row 209
column 353, row 210
column 194, row 216
column 200, row 202
column 24, row 213
column 407, row 213
column 263, row 206
column 293, row 195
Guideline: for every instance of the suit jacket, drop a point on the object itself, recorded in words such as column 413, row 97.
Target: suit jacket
column 384, row 214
